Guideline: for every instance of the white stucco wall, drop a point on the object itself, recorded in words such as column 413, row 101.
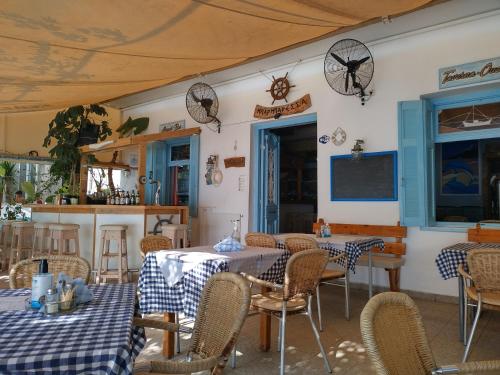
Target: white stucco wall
column 405, row 68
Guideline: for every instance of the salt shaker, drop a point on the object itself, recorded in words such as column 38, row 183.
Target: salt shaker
column 52, row 303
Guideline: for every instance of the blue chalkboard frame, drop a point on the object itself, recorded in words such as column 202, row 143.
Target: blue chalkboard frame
column 394, row 197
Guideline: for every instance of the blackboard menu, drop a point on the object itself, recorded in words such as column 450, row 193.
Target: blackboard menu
column 373, row 177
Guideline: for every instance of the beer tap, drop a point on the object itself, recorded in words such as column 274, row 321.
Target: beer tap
column 158, row 188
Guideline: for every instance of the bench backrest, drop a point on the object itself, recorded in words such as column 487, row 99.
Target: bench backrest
column 479, row 234
column 395, row 232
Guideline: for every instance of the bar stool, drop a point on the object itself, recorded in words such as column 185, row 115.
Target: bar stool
column 117, row 233
column 63, row 234
column 4, row 244
column 177, row 233
column 22, row 231
column 41, row 239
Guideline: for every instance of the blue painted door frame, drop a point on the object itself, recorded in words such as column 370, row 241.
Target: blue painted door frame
column 259, row 172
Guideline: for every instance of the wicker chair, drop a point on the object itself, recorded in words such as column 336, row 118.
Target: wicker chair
column 21, row 273
column 482, row 286
column 154, row 243
column 395, row 339
column 222, row 311
column 338, row 276
column 294, row 296
column 260, row 240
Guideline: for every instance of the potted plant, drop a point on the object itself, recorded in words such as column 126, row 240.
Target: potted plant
column 7, row 170
column 72, row 128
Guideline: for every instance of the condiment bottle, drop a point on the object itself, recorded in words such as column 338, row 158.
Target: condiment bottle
column 52, row 303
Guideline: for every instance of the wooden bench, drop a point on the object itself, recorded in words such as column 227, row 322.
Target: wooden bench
column 391, row 258
column 483, row 235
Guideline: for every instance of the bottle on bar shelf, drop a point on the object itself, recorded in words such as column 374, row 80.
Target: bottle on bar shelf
column 132, row 198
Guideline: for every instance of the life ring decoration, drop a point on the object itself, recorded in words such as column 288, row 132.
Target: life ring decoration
column 339, row 136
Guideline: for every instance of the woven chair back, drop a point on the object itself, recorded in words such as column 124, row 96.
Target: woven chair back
column 222, row 311
column 260, row 240
column 299, row 243
column 484, row 267
column 394, row 336
column 303, row 272
column 21, row 273
column 155, row 243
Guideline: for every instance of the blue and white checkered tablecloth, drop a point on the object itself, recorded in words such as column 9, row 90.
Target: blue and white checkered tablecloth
column 157, row 296
column 353, row 248
column 97, row 338
column 451, row 257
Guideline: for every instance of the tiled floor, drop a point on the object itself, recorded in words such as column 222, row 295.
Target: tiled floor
column 343, row 339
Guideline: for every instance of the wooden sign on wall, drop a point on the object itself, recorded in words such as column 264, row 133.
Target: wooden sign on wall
column 466, row 74
column 298, row 106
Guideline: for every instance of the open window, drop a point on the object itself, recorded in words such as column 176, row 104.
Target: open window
column 450, row 160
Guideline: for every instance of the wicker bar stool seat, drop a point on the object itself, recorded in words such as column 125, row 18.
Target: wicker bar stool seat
column 63, row 235
column 22, row 236
column 117, row 234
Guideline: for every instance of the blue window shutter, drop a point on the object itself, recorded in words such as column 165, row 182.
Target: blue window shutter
column 429, row 163
column 411, row 132
column 155, row 168
column 194, row 165
column 149, row 169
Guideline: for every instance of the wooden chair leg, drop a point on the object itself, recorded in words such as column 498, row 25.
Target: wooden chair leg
column 393, row 279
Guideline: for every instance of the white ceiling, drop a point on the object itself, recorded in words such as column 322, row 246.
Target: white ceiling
column 431, row 17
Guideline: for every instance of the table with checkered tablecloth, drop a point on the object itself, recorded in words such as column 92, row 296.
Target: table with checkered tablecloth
column 451, row 257
column 183, row 296
column 336, row 244
column 96, row 338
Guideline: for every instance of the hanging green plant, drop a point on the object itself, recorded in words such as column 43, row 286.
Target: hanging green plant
column 71, row 128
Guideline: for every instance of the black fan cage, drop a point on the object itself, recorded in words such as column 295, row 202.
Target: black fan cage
column 202, row 103
column 336, row 73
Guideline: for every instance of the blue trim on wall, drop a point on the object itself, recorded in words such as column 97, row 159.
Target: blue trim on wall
column 255, row 158
column 367, row 155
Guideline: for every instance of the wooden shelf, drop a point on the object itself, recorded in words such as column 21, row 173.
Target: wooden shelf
column 124, row 143
column 104, row 164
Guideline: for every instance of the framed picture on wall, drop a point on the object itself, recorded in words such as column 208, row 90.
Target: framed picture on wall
column 460, row 168
column 172, row 125
column 469, row 118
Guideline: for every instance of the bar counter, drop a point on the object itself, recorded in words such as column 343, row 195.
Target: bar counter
column 139, row 219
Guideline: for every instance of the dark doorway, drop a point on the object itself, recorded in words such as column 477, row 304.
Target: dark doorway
column 298, row 178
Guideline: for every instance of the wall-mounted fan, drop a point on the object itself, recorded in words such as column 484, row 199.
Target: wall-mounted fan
column 202, row 104
column 349, row 68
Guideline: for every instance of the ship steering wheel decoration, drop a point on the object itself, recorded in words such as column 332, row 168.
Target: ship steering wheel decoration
column 280, row 88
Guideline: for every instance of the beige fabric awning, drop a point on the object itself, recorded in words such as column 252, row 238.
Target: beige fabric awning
column 57, row 53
